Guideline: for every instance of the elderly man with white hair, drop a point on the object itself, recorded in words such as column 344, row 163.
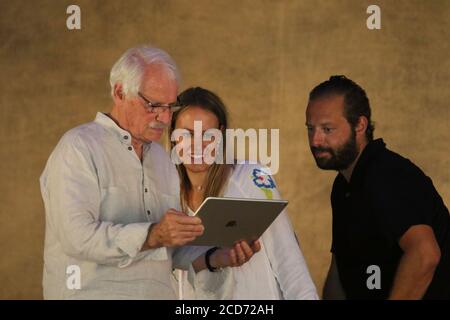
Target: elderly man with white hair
column 111, row 195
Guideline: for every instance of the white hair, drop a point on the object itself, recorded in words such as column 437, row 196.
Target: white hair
column 128, row 70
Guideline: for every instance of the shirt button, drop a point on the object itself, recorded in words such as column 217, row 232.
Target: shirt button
column 130, row 148
column 148, row 212
column 146, row 190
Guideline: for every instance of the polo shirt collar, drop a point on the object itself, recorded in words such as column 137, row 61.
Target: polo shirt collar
column 370, row 152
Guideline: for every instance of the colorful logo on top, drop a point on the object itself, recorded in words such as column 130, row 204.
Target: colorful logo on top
column 264, row 181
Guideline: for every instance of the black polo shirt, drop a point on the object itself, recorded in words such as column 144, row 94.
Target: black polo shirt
column 387, row 194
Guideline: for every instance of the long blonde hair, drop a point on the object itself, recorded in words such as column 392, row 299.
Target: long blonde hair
column 218, row 174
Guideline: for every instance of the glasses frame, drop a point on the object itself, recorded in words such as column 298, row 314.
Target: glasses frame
column 157, row 108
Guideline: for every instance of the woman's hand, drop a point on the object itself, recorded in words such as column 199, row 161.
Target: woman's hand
column 236, row 256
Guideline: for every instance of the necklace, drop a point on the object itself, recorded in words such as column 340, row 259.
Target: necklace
column 198, row 188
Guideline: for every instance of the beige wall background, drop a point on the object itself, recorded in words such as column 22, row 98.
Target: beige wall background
column 262, row 57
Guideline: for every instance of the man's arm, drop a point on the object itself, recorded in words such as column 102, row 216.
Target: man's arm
column 173, row 230
column 332, row 289
column 418, row 263
column 72, row 198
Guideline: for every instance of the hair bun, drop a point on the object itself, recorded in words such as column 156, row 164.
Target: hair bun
column 337, row 77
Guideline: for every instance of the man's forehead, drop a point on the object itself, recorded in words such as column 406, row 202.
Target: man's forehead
column 325, row 111
column 159, row 83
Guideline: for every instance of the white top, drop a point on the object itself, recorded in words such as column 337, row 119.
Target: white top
column 279, row 270
column 100, row 201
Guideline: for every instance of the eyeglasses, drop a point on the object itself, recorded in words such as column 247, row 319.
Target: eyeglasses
column 157, row 108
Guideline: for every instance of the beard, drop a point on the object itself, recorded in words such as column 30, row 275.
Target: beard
column 340, row 158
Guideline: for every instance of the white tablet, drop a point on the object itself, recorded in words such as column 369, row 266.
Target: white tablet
column 229, row 220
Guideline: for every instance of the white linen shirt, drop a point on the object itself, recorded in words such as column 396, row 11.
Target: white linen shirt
column 100, row 201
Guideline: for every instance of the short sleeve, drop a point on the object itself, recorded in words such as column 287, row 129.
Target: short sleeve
column 404, row 201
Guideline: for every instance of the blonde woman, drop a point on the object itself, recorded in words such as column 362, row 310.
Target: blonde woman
column 278, row 270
